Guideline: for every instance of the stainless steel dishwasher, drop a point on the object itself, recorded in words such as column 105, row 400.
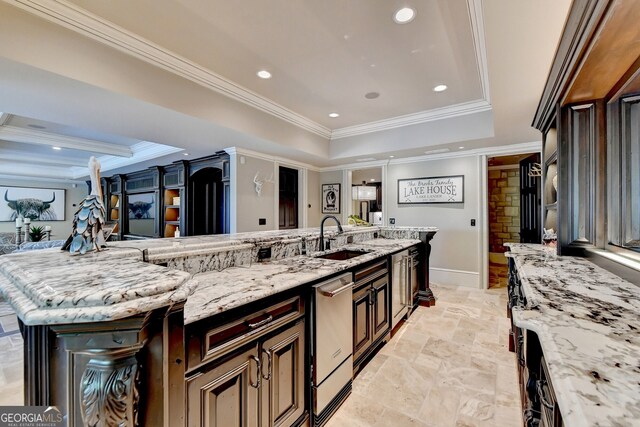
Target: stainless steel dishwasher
column 332, row 346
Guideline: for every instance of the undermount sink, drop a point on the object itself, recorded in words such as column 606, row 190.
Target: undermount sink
column 342, row 255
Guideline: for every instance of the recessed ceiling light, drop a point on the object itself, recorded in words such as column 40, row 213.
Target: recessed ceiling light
column 36, row 126
column 372, row 95
column 460, row 148
column 391, row 157
column 372, row 180
column 404, row 15
column 334, row 115
column 264, row 74
column 185, row 154
column 440, row 88
column 56, row 148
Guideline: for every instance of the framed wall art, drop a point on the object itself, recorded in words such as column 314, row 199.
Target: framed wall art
column 437, row 189
column 38, row 204
column 330, row 198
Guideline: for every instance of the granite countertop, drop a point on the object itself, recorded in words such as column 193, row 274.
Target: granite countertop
column 588, row 323
column 220, row 291
column 54, row 287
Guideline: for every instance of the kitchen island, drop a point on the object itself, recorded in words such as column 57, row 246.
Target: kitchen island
column 107, row 335
column 577, row 337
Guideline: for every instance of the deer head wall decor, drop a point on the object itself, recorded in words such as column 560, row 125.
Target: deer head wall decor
column 260, row 182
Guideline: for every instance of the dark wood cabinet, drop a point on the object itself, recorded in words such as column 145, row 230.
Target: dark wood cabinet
column 259, row 385
column 371, row 310
column 173, row 200
column 362, row 330
column 283, row 386
column 227, row 394
column 190, row 196
column 249, row 369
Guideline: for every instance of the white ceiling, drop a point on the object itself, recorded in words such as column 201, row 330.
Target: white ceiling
column 185, row 77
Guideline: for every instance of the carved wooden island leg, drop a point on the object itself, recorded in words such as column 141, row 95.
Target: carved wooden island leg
column 101, row 374
column 425, row 295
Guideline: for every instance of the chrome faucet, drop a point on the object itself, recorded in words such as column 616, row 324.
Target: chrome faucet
column 340, row 230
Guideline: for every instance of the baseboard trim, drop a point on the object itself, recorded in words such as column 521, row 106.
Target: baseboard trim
column 449, row 277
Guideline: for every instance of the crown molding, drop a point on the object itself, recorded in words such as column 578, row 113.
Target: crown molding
column 46, row 180
column 35, row 172
column 82, row 21
column 476, row 15
column 525, row 147
column 32, row 136
column 262, row 156
column 21, row 157
column 142, row 151
column 413, row 119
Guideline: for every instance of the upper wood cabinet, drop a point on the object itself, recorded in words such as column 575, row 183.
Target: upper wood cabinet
column 590, row 101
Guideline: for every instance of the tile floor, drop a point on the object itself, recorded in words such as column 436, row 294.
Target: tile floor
column 10, row 357
column 447, row 366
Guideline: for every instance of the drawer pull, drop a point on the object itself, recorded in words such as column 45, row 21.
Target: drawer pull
column 260, row 323
column 258, row 382
column 335, row 292
column 543, row 399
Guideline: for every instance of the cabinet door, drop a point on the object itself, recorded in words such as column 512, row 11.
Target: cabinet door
column 224, row 395
column 380, row 306
column 283, row 384
column 362, row 333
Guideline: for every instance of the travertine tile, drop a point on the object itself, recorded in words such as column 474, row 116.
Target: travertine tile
column 463, row 374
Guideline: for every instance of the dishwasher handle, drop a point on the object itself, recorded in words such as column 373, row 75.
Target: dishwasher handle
column 332, row 293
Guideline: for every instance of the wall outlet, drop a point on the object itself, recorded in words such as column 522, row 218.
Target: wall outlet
column 392, row 221
column 262, row 221
column 473, row 222
column 264, row 253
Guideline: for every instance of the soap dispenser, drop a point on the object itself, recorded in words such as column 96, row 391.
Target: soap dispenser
column 177, row 232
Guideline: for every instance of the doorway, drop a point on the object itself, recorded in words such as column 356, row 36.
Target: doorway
column 366, row 194
column 513, row 208
column 288, row 198
column 206, row 199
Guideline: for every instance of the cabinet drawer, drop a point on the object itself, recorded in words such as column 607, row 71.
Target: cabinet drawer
column 213, row 341
column 370, row 272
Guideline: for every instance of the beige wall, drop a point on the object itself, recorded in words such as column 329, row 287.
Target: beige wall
column 251, row 207
column 455, row 255
column 334, row 177
column 73, row 196
column 314, row 214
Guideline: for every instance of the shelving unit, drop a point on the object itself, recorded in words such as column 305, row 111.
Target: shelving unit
column 550, row 170
column 172, row 211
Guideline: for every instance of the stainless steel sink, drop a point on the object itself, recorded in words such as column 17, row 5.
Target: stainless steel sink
column 342, row 255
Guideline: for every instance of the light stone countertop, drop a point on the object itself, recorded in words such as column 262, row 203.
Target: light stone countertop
column 220, row 291
column 588, row 323
column 53, row 287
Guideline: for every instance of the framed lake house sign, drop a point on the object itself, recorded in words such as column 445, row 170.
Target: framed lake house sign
column 437, row 189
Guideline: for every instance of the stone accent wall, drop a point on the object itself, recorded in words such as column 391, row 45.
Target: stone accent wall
column 504, row 208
